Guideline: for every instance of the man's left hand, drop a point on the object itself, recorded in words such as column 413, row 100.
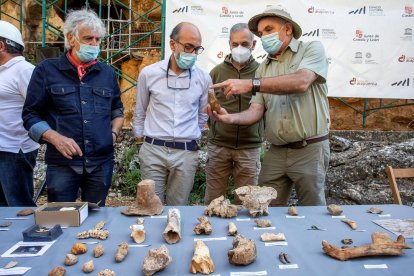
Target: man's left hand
column 234, row 86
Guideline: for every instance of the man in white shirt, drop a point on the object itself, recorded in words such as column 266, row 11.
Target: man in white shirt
column 174, row 92
column 17, row 151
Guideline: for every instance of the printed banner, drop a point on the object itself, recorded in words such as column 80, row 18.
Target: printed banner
column 369, row 45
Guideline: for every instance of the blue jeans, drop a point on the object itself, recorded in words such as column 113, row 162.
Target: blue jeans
column 16, row 178
column 63, row 183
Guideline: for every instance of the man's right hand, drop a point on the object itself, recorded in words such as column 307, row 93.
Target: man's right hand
column 66, row 146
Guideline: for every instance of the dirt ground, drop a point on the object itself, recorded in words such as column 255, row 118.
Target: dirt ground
column 390, row 119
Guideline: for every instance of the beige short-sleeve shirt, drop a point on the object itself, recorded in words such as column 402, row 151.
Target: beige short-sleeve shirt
column 295, row 117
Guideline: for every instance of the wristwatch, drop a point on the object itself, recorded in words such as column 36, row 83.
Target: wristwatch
column 256, row 86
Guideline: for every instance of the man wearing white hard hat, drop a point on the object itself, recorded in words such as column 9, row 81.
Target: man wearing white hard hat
column 292, row 95
column 17, row 151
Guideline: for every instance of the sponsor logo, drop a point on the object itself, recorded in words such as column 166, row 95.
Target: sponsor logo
column 226, row 12
column 356, row 82
column 220, row 54
column 314, row 10
column 323, row 33
column 224, row 32
column 363, row 37
column 196, row 10
column 370, row 11
column 363, row 58
column 408, row 11
column 407, row 35
column 404, row 58
column 405, row 82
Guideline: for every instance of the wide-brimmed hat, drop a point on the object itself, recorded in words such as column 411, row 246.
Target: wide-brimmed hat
column 274, row 11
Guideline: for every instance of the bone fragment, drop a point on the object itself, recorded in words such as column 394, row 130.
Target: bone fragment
column 334, row 210
column 201, row 261
column 243, row 252
column 351, row 223
column 256, row 199
column 156, row 260
column 273, row 237
column 172, row 233
column 204, row 227
column 137, row 233
column 221, row 207
column 232, row 229
column 263, row 222
column 292, row 211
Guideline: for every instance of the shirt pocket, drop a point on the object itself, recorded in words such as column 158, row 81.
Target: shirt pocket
column 102, row 98
column 64, row 99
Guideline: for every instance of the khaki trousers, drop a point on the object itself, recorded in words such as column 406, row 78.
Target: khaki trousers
column 243, row 164
column 305, row 169
column 172, row 170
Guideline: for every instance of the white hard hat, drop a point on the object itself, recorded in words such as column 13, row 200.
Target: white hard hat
column 10, row 32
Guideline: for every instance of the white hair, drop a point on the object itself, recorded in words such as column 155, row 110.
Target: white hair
column 76, row 18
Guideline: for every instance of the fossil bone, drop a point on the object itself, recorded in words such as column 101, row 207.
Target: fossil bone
column 201, row 261
column 156, row 260
column 243, row 252
column 221, row 207
column 88, row 267
column 106, row 272
column 5, row 224
column 147, row 202
column 204, row 227
column 256, row 199
column 137, row 233
column 25, row 212
column 98, row 250
column 213, row 102
column 172, row 232
column 374, row 210
column 273, row 237
column 122, row 252
column 140, row 221
column 93, row 233
column 57, row 271
column 347, row 241
column 292, row 211
column 10, row 264
column 284, row 258
column 263, row 222
column 351, row 223
column 232, row 229
column 78, row 248
column 100, row 225
column 70, row 259
column 381, row 245
column 334, row 210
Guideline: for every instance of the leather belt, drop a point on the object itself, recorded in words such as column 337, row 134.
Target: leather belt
column 304, row 143
column 192, row 145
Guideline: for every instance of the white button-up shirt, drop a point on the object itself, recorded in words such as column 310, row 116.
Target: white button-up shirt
column 174, row 111
column 14, row 79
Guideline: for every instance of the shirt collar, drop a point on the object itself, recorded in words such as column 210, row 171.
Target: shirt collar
column 12, row 61
column 65, row 64
column 293, row 45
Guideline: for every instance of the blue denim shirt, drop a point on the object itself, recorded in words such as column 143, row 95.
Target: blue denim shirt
column 79, row 109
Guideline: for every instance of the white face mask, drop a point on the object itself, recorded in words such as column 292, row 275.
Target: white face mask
column 240, row 54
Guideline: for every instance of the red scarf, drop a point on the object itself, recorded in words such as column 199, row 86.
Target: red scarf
column 81, row 68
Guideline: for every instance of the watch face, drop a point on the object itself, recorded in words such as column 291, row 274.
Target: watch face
column 256, row 82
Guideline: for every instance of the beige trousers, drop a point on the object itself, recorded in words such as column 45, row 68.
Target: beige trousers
column 305, row 169
column 243, row 164
column 172, row 170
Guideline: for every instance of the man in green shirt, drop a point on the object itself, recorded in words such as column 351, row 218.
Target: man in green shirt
column 234, row 149
column 292, row 95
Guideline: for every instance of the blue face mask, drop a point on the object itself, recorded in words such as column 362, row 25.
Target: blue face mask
column 185, row 60
column 87, row 52
column 271, row 42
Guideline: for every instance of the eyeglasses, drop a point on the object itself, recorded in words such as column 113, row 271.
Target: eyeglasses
column 173, row 84
column 188, row 48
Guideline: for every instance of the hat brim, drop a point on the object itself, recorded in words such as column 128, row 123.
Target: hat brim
column 254, row 21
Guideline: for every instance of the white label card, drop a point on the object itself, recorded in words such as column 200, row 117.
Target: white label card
column 14, row 270
column 384, row 216
column 211, row 239
column 257, row 273
column 379, row 266
column 295, row 217
column 288, row 266
column 264, row 228
column 243, row 219
column 161, row 217
column 278, row 243
column 338, row 217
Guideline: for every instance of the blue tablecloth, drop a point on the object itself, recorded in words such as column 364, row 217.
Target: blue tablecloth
column 304, row 246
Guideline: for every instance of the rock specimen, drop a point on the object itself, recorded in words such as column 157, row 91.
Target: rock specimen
column 284, row 258
column 292, row 211
column 204, row 227
column 351, row 223
column 201, row 261
column 98, row 251
column 137, row 233
column 334, row 210
column 25, row 212
column 122, row 252
column 213, row 102
column 147, row 202
column 256, row 199
column 100, row 225
column 106, row 272
column 70, row 259
column 140, row 221
column 5, row 224
column 172, row 232
column 221, row 207
column 374, row 210
column 381, row 245
column 243, row 252
column 94, row 234
column 273, row 237
column 88, row 267
column 263, row 222
column 156, row 260
column 78, row 248
column 232, row 229
column 57, row 271
column 10, row 264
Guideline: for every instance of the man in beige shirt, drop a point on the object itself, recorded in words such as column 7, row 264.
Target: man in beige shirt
column 292, row 95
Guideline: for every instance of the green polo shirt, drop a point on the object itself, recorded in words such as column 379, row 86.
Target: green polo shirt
column 295, row 117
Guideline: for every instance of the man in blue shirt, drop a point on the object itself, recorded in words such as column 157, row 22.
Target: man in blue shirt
column 73, row 104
